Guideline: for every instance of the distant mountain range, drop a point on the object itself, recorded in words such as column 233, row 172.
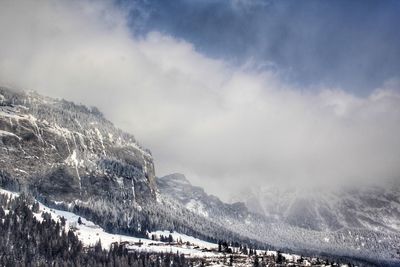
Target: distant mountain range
column 356, row 223
column 70, row 157
column 371, row 207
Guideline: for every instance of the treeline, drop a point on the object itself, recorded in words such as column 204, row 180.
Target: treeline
column 115, row 218
column 27, row 239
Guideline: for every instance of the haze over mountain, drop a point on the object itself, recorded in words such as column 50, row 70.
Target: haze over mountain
column 270, row 125
column 71, row 157
column 224, row 124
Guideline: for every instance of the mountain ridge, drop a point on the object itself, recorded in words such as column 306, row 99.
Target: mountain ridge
column 69, row 140
column 300, row 235
column 70, row 157
column 370, row 207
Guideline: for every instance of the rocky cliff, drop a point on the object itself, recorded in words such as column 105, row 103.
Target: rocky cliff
column 69, row 152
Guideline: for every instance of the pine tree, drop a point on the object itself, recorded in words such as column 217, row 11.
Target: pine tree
column 256, row 261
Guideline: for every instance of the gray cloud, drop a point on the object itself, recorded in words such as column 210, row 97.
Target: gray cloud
column 224, row 126
column 335, row 43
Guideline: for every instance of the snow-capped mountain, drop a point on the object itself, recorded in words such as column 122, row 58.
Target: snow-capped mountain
column 359, row 221
column 308, row 227
column 176, row 186
column 369, row 207
column 69, row 152
column 71, row 158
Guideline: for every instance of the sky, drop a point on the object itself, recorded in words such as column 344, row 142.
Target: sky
column 231, row 93
column 350, row 44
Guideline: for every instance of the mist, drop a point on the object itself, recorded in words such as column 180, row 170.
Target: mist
column 224, row 125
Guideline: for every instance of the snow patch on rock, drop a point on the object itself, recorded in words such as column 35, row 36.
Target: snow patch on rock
column 197, row 207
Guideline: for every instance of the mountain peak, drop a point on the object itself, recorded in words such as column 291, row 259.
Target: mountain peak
column 62, row 149
column 177, row 178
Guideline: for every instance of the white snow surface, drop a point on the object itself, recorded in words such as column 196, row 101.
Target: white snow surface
column 197, row 207
column 185, row 238
column 89, row 233
column 5, row 133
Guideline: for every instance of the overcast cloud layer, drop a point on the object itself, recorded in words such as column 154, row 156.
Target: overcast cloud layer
column 223, row 126
column 352, row 44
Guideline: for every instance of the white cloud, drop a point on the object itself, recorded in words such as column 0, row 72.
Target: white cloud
column 224, row 126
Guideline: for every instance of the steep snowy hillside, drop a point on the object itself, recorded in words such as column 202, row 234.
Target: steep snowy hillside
column 177, row 187
column 19, row 210
column 90, row 233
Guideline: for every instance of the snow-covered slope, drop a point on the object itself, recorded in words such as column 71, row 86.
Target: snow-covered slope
column 306, row 227
column 195, row 199
column 90, row 234
column 234, row 217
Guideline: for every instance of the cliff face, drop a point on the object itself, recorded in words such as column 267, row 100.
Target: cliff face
column 69, row 152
